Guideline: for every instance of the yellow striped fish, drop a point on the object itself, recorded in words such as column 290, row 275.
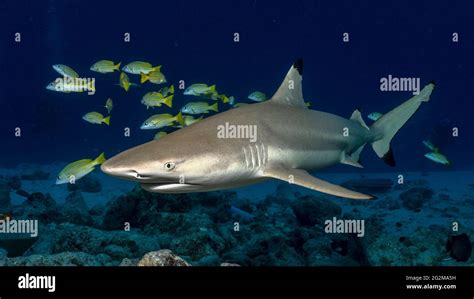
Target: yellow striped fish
column 76, row 170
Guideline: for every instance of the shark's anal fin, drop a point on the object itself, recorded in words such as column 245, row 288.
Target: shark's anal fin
column 290, row 92
column 302, row 178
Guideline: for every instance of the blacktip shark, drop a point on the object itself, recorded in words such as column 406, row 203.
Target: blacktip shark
column 290, row 141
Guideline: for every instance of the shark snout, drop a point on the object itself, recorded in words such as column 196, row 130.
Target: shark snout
column 112, row 169
column 118, row 168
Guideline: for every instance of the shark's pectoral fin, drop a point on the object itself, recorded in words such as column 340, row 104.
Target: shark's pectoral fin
column 303, row 178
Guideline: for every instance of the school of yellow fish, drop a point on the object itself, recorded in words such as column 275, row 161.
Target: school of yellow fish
column 190, row 113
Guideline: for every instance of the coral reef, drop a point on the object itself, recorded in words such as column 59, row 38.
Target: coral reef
column 35, row 175
column 5, row 199
column 57, row 238
column 414, row 198
column 86, row 184
column 412, row 250
column 311, row 210
column 285, row 228
column 60, row 259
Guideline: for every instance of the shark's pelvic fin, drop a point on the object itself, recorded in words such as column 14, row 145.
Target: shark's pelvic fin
column 290, row 91
column 352, row 160
column 356, row 155
column 303, row 178
column 357, row 117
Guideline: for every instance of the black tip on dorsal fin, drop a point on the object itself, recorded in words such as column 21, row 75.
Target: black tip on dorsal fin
column 388, row 158
column 298, row 65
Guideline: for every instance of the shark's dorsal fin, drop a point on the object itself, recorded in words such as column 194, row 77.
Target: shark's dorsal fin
column 290, row 91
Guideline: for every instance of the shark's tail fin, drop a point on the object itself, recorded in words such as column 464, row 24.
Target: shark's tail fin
column 385, row 128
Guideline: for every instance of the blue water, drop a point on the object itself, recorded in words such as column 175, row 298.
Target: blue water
column 193, row 41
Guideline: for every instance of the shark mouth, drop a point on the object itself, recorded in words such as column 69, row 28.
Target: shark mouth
column 170, row 187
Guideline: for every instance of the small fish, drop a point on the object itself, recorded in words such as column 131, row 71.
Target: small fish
column 105, row 66
column 65, row 71
column 55, row 86
column 189, row 120
column 162, row 120
column 124, row 81
column 223, row 98
column 167, row 90
column 231, row 100
column 76, row 170
column 257, row 96
column 139, row 67
column 160, row 135
column 199, row 89
column 155, row 77
column 156, row 99
column 438, row 158
column 308, row 104
column 198, row 108
column 241, row 213
column 109, row 105
column 96, row 118
column 431, row 146
column 374, row 116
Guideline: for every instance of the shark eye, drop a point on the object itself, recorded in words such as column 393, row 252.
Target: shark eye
column 169, row 166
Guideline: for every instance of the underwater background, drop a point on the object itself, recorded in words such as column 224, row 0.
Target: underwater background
column 194, row 41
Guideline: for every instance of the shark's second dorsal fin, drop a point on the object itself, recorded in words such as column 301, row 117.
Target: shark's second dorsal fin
column 290, row 91
column 357, row 117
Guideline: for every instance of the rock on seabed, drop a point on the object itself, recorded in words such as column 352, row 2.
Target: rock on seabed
column 162, row 258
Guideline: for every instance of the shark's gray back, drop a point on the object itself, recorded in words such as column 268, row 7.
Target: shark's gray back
column 312, row 138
